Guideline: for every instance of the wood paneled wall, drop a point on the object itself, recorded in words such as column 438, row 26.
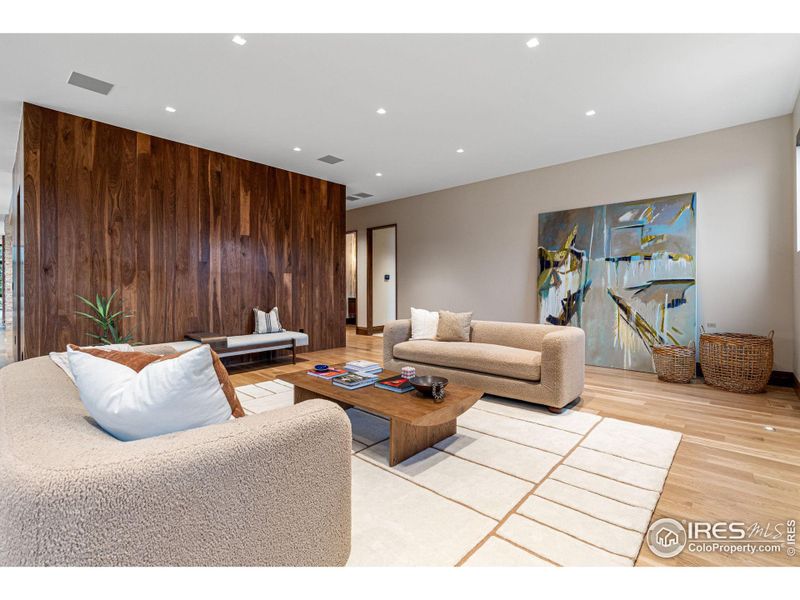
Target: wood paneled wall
column 192, row 239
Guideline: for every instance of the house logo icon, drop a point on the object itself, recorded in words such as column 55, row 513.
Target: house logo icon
column 666, row 538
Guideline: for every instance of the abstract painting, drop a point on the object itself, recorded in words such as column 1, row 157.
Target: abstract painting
column 624, row 273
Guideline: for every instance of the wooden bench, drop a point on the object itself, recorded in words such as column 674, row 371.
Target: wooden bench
column 239, row 345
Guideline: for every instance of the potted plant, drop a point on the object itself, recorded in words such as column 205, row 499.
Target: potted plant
column 101, row 314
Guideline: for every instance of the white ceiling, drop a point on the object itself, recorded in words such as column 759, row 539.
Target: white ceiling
column 511, row 108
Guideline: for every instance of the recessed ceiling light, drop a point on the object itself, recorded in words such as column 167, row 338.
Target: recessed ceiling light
column 381, row 111
column 237, row 39
column 378, row 174
column 532, row 43
column 297, row 149
column 460, row 151
column 769, row 428
column 169, row 109
column 591, row 113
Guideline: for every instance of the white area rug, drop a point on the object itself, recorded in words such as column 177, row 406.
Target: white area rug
column 515, row 486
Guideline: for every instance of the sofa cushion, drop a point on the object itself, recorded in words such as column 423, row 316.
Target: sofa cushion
column 423, row 324
column 139, row 360
column 169, row 395
column 267, row 322
column 254, row 339
column 453, row 327
column 482, row 358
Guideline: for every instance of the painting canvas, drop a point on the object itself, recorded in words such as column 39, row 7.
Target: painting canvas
column 624, row 273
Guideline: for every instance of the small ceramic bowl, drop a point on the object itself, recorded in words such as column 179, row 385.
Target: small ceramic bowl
column 321, row 368
column 424, row 384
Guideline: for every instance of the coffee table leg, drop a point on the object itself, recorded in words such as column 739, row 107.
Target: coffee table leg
column 300, row 394
column 407, row 440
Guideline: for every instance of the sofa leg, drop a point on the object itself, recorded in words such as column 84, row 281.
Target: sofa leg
column 558, row 411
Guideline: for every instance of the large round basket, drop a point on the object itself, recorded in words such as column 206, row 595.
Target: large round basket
column 737, row 362
column 675, row 364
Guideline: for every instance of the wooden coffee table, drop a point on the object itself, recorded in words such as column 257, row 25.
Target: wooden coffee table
column 415, row 422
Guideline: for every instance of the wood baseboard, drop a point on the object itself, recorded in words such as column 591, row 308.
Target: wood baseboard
column 369, row 330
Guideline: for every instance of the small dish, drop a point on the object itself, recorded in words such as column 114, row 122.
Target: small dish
column 321, row 368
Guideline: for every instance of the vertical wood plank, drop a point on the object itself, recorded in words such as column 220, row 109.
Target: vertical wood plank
column 192, row 239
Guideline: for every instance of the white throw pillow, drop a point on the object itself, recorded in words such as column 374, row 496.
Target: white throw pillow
column 166, row 396
column 423, row 324
column 267, row 322
column 60, row 358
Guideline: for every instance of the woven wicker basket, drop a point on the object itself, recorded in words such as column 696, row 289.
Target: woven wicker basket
column 737, row 362
column 675, row 364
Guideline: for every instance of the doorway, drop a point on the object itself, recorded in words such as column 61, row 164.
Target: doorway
column 351, row 270
column 381, row 277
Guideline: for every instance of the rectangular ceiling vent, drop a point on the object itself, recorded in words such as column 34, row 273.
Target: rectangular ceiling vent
column 352, row 198
column 331, row 159
column 364, row 195
column 90, row 83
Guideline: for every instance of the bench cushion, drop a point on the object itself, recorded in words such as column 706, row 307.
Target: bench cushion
column 254, row 339
column 471, row 356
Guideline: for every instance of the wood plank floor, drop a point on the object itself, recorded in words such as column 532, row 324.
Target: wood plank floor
column 728, row 467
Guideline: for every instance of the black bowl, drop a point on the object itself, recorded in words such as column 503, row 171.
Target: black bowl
column 424, row 384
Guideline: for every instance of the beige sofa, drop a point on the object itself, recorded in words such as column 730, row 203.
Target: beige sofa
column 267, row 489
column 543, row 364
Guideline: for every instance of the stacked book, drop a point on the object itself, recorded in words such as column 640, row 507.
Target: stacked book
column 398, row 384
column 364, row 367
column 328, row 375
column 353, row 381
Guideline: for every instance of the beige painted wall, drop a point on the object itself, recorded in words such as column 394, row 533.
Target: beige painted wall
column 473, row 247
column 796, row 157
column 384, row 299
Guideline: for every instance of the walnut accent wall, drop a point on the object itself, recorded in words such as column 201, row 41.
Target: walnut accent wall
column 192, row 239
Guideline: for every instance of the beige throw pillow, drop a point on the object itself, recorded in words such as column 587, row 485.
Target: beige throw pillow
column 453, row 327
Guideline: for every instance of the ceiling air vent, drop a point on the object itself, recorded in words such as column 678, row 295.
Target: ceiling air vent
column 330, row 159
column 90, row 83
column 352, row 198
column 364, row 195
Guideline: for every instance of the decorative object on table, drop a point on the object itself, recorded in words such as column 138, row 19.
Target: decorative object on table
column 327, row 375
column 321, row 368
column 353, row 381
column 437, row 391
column 453, row 327
column 396, row 384
column 408, row 372
column 674, row 364
column 624, row 273
column 737, row 362
column 424, row 384
column 102, row 316
column 363, row 367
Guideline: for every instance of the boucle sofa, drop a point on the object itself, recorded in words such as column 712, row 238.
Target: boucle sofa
column 543, row 364
column 266, row 489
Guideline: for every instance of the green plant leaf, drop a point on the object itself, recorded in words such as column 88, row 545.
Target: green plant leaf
column 87, row 302
column 91, row 317
column 105, row 319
